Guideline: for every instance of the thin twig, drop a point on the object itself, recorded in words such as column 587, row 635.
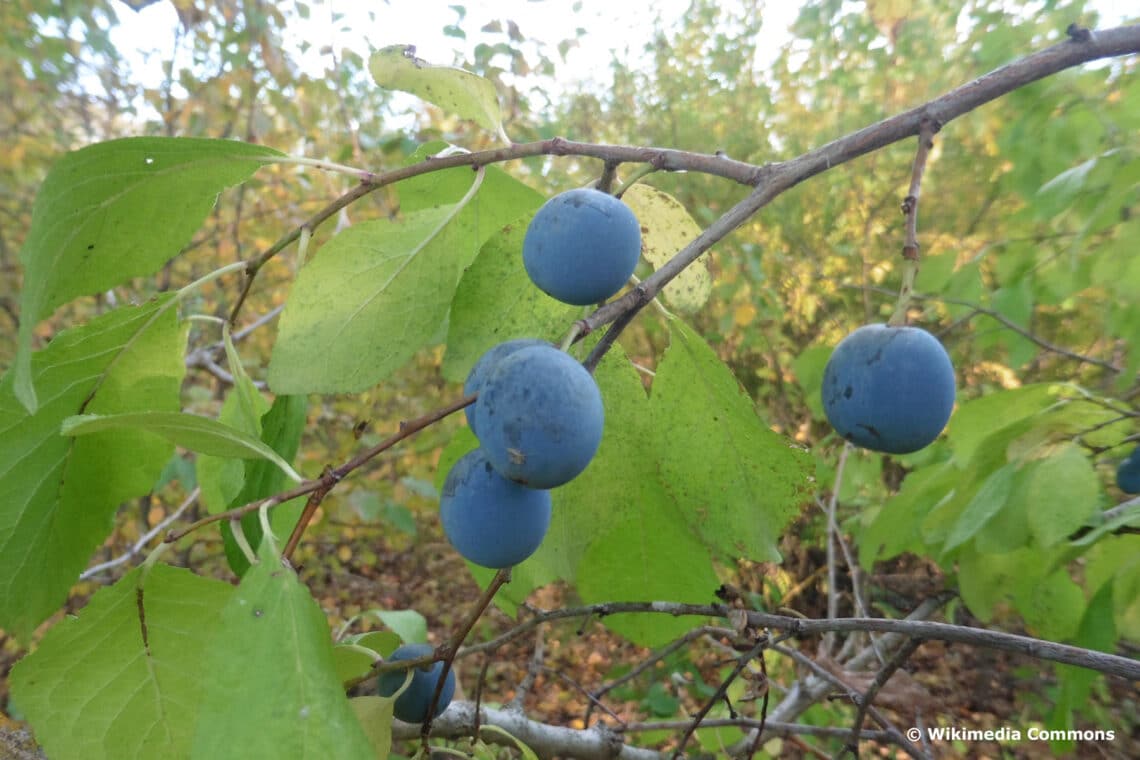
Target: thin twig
column 656, row 657
column 447, row 653
column 998, row 316
column 755, row 743
column 532, row 671
column 332, row 476
column 828, row 641
column 852, row 694
column 926, row 131
column 145, row 539
column 720, row 693
column 861, row 606
column 897, row 659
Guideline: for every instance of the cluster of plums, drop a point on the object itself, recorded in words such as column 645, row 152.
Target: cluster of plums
column 538, row 415
column 1128, row 473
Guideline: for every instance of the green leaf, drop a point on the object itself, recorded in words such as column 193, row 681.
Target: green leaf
column 620, row 483
column 1116, row 560
column 380, row 642
column 1064, row 493
column 59, row 494
column 272, row 657
column 1097, row 631
column 281, row 429
column 1008, row 529
column 987, row 502
column 373, row 296
column 123, row 679
column 1056, row 195
column 117, row 210
column 809, row 367
column 651, row 557
column 976, row 420
column 496, row 302
column 1052, row 606
column 501, row 199
column 737, row 483
column 897, row 526
column 1015, row 302
column 375, row 717
column 352, row 661
column 201, row 434
column 985, row 580
column 666, row 228
column 526, row 752
column 222, row 478
column 454, row 90
column 409, row 625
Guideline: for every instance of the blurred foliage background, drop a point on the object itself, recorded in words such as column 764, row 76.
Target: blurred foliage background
column 1029, row 206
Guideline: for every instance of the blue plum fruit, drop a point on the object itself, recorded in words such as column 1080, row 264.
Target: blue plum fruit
column 889, row 389
column 1128, row 473
column 490, row 520
column 582, row 246
column 489, row 359
column 539, row 417
column 412, row 705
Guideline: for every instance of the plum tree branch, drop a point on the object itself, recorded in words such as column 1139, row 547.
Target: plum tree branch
column 653, row 659
column 805, row 692
column 663, row 159
column 776, row 178
column 331, row 476
column 1110, row 664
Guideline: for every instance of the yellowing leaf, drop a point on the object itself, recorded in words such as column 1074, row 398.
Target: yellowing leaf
column 743, row 314
column 453, row 89
column 666, row 228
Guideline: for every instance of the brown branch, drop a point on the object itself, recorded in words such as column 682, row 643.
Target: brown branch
column 447, row 653
column 926, row 131
column 330, row 477
column 753, row 746
column 664, row 159
column 769, row 181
